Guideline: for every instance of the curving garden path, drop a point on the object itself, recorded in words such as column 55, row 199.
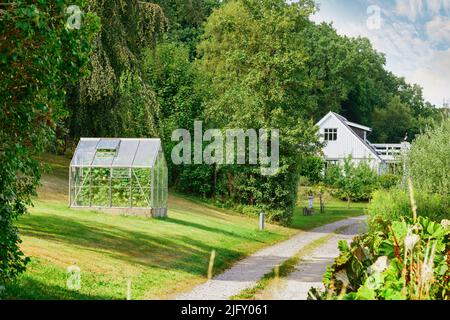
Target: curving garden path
column 246, row 273
column 310, row 269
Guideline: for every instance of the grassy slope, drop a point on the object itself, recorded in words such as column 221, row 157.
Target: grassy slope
column 161, row 257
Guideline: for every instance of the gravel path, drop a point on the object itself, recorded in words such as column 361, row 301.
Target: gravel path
column 247, row 272
column 311, row 268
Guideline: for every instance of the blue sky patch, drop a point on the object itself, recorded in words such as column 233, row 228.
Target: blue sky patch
column 413, row 34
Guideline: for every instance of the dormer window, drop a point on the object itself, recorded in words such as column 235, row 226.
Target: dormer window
column 330, row 134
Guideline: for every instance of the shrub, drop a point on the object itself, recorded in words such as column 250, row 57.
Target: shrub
column 354, row 182
column 391, row 205
column 196, row 179
column 304, row 181
column 388, row 180
column 428, row 161
column 332, row 175
column 271, row 215
column 311, row 168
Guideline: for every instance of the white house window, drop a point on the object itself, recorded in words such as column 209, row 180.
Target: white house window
column 330, row 135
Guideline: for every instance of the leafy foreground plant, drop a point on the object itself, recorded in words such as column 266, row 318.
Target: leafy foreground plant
column 409, row 260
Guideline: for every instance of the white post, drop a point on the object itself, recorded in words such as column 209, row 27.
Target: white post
column 261, row 221
column 310, row 202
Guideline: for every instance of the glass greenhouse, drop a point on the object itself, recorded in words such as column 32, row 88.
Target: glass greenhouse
column 124, row 174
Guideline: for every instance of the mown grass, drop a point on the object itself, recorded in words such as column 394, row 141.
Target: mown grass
column 335, row 210
column 161, row 257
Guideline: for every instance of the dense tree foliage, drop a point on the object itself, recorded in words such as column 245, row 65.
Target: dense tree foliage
column 395, row 112
column 252, row 58
column 186, row 20
column 99, row 104
column 252, row 73
column 39, row 55
column 406, row 108
column 170, row 73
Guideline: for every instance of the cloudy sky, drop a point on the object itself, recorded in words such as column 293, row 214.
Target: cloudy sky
column 413, row 34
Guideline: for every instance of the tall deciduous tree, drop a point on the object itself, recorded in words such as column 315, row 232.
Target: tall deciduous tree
column 394, row 122
column 39, row 55
column 186, row 19
column 252, row 53
column 173, row 77
column 97, row 106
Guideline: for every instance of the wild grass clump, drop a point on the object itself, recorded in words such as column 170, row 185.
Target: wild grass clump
column 391, row 205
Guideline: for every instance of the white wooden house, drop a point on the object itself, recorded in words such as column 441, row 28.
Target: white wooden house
column 344, row 138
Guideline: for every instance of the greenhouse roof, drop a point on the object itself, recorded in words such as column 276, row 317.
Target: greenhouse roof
column 116, row 152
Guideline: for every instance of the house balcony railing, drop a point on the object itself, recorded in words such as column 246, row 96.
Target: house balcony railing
column 391, row 151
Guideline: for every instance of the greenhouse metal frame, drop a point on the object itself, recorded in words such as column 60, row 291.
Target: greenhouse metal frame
column 126, row 175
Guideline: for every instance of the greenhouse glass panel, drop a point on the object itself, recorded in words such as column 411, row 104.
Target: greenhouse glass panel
column 128, row 174
column 126, row 154
column 84, row 153
column 147, row 153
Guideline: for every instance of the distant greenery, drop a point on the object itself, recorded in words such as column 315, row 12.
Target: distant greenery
column 395, row 112
column 39, row 56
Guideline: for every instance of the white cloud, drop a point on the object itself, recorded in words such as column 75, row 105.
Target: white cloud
column 439, row 6
column 433, row 76
column 411, row 47
column 414, row 9
column 438, row 30
column 409, row 8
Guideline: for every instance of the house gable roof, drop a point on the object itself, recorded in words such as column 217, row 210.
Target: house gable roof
column 356, row 125
column 348, row 125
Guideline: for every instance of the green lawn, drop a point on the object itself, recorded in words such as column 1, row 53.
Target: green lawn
column 161, row 257
column 334, row 210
